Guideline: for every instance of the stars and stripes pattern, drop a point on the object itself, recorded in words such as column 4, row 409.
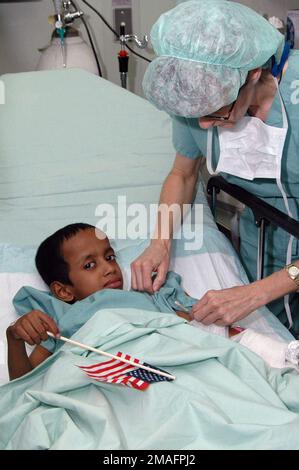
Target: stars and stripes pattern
column 117, row 372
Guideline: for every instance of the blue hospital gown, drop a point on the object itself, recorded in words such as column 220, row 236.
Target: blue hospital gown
column 191, row 141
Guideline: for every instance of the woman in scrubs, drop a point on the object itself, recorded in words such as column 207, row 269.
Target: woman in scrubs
column 231, row 85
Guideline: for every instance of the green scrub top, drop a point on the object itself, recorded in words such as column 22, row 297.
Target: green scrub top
column 191, row 141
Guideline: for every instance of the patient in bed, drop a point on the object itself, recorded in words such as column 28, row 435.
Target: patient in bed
column 76, row 262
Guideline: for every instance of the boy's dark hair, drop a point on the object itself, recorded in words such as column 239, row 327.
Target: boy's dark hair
column 49, row 260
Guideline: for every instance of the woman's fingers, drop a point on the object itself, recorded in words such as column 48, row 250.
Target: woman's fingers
column 224, row 307
column 147, row 271
column 133, row 277
column 139, row 279
column 201, row 309
column 161, row 276
column 213, row 307
column 136, row 273
column 154, row 259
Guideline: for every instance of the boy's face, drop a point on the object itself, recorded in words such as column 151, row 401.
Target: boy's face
column 92, row 264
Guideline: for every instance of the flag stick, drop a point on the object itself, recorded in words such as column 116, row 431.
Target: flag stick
column 182, row 306
column 103, row 353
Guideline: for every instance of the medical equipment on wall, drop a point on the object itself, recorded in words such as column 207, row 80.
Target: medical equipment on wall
column 67, row 48
column 123, row 56
column 124, row 38
column 64, row 17
column 79, row 53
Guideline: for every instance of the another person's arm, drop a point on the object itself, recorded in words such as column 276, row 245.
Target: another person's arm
column 178, row 188
column 227, row 306
column 30, row 328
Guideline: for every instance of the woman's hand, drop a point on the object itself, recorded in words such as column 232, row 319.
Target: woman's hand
column 154, row 259
column 225, row 307
column 32, row 328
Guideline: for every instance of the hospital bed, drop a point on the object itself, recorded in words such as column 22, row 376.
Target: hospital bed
column 70, row 141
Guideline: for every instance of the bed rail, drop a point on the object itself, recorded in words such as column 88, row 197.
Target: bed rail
column 264, row 214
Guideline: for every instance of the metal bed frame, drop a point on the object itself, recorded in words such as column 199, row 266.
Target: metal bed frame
column 264, row 214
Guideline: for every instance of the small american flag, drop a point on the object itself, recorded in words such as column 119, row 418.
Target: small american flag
column 115, row 371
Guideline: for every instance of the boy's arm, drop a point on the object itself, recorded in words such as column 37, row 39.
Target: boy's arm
column 31, row 328
column 18, row 361
column 39, row 355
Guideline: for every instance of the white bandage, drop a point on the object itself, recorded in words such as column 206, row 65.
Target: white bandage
column 272, row 351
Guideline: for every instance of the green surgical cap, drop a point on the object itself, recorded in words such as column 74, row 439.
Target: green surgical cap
column 205, row 50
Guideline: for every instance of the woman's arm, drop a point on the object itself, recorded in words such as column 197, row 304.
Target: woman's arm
column 178, row 188
column 225, row 307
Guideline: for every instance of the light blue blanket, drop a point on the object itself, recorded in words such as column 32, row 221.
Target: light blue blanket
column 224, row 397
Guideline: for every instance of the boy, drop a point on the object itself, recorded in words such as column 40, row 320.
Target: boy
column 75, row 264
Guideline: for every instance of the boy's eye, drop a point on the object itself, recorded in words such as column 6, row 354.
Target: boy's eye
column 90, row 265
column 111, row 257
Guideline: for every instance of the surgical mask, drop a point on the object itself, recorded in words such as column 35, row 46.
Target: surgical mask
column 253, row 149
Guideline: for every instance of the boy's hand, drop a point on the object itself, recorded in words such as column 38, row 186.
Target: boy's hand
column 32, row 328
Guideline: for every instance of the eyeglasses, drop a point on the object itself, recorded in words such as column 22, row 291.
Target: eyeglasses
column 227, row 117
column 222, row 118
